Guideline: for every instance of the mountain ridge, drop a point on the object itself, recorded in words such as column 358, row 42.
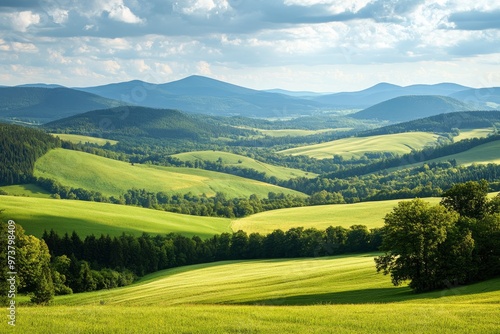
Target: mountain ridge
column 411, row 107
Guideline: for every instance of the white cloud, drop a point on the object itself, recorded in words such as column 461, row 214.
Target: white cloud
column 23, row 47
column 59, row 16
column 22, row 20
column 201, row 7
column 204, row 68
column 119, row 12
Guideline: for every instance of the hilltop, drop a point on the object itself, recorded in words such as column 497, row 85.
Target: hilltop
column 385, row 91
column 198, row 94
column 411, row 107
column 44, row 104
column 142, row 122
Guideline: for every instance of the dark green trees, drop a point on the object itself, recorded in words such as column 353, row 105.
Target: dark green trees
column 439, row 246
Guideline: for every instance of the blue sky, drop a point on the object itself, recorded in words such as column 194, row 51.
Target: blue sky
column 316, row 45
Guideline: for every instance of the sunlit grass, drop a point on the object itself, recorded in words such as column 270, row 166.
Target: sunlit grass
column 114, row 178
column 37, row 214
column 399, row 143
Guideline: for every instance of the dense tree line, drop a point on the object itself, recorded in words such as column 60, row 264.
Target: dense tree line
column 20, row 147
column 441, row 246
column 101, row 262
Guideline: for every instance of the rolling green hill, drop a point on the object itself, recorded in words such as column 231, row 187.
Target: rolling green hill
column 407, row 108
column 131, row 121
column 370, row 214
column 114, row 178
column 84, row 139
column 271, row 296
column 37, row 214
column 230, row 159
column 399, row 143
column 48, row 104
column 482, row 154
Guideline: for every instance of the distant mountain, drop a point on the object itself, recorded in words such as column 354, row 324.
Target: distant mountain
column 133, row 121
column 441, row 123
column 197, row 94
column 407, row 108
column 48, row 104
column 481, row 98
column 302, row 94
column 385, row 91
column 41, row 85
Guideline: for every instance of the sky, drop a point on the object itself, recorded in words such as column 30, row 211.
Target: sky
column 301, row 45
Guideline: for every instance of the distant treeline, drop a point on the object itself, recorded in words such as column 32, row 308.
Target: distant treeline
column 445, row 123
column 199, row 205
column 430, row 179
column 20, row 147
column 103, row 262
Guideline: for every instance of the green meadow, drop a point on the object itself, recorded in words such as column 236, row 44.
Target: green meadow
column 37, row 214
column 482, row 154
column 27, row 190
column 473, row 133
column 370, row 214
column 84, row 139
column 298, row 132
column 341, row 294
column 400, row 143
column 114, row 178
column 231, row 159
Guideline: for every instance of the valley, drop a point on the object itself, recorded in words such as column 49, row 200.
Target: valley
column 215, row 206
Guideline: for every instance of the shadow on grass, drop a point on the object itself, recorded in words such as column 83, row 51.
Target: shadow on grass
column 381, row 295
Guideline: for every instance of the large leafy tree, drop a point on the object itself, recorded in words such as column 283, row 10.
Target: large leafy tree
column 415, row 232
column 32, row 264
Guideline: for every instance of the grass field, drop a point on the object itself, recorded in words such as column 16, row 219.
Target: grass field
column 37, row 214
column 298, row 132
column 482, row 154
column 114, row 178
column 473, row 133
column 399, row 143
column 29, row 190
column 342, row 294
column 370, row 214
column 230, row 159
column 84, row 139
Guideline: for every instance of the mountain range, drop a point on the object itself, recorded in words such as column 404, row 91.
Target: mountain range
column 42, row 103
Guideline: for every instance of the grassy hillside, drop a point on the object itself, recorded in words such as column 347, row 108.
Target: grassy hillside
column 26, row 190
column 298, row 132
column 370, row 214
column 482, row 154
column 347, row 287
column 84, row 139
column 411, row 107
column 37, row 214
column 399, row 143
column 114, row 178
column 230, row 159
column 473, row 133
